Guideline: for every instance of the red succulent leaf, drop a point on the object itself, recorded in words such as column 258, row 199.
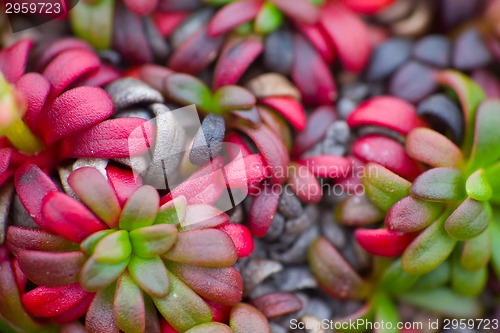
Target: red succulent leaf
column 311, row 74
column 327, row 166
column 304, row 183
column 235, row 59
column 19, row 239
column 103, row 76
column 433, row 148
column 206, row 248
column 128, row 305
column 196, row 53
column 383, row 242
column 411, row 214
column 167, row 22
column 142, row 7
column 333, row 273
column 262, row 210
column 95, row 191
column 109, row 139
column 233, row 151
column 154, row 75
column 246, row 171
column 488, row 82
column 318, row 38
column 74, row 111
column 21, row 279
column 386, row 111
column 123, row 181
column 316, row 127
column 32, row 185
column 69, row 218
column 276, row 304
column 100, row 317
column 354, row 48
column 67, row 67
column 246, row 318
column 232, row 15
column 13, row 60
column 53, row 301
column 166, row 327
column 299, row 10
column 357, row 210
column 289, row 108
column 58, row 47
column 221, row 285
column 367, row 7
column 5, row 158
column 201, row 216
column 241, row 237
column 387, row 152
column 272, row 148
column 34, row 89
column 220, row 312
column 51, row 269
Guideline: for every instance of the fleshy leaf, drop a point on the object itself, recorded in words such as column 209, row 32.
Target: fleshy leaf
column 113, row 248
column 269, row 19
column 232, row 15
column 316, row 127
column 476, row 252
column 327, row 166
column 275, row 304
column 129, row 305
column 304, row 184
column 433, row 148
column 182, row 307
column 357, row 210
column 233, row 98
column 246, row 318
column 334, row 274
column 469, row 220
column 150, row 274
column 186, row 89
column 383, row 187
column 94, row 190
column 385, row 311
column 383, row 242
column 141, row 209
column 485, row 149
column 172, row 212
column 300, row 10
column 95, row 276
column 429, row 249
column 154, row 240
column 19, row 238
column 445, row 302
column 206, row 247
column 246, row 171
column 388, row 112
column 69, row 218
column 495, row 250
column 93, row 22
column 13, row 59
column 88, row 244
column 123, row 181
column 210, row 328
column 262, row 210
column 411, row 214
column 203, row 216
column 396, row 280
column 465, row 282
column 241, row 237
column 439, row 184
column 477, row 186
column 100, row 317
column 289, row 108
column 51, row 269
column 220, row 285
column 439, row 277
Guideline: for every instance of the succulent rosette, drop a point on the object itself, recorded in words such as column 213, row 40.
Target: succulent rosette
column 60, row 113
column 113, row 254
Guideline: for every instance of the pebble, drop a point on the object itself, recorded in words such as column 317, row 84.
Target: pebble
column 295, row 278
column 129, row 92
column 276, row 229
column 289, row 204
column 297, row 253
column 331, row 230
column 257, row 270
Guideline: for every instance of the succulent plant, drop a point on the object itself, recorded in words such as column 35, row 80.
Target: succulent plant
column 114, row 246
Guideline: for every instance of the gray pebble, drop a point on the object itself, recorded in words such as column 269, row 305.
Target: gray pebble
column 276, row 229
column 295, row 278
column 331, row 230
column 189, row 26
column 128, row 92
column 289, row 204
column 256, row 271
column 305, row 220
column 345, row 106
column 297, row 253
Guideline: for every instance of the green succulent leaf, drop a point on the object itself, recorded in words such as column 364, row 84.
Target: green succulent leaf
column 128, row 306
column 19, row 238
column 445, row 302
column 476, row 252
column 437, row 278
column 469, row 220
column 383, row 187
column 100, row 316
column 182, row 307
column 396, row 280
column 411, row 214
column 172, row 212
column 495, row 239
column 151, row 275
column 477, row 186
column 96, row 276
column 334, row 274
column 364, row 315
column 245, row 318
column 113, row 248
column 429, row 249
column 153, row 240
column 211, row 328
column 470, row 95
column 433, row 148
column 439, row 184
column 206, row 248
column 186, row 90
column 386, row 311
column 141, row 209
column 491, row 174
column 233, row 98
column 88, row 244
column 467, row 283
column 217, row 2
column 485, row 149
column 269, row 19
column 93, row 22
